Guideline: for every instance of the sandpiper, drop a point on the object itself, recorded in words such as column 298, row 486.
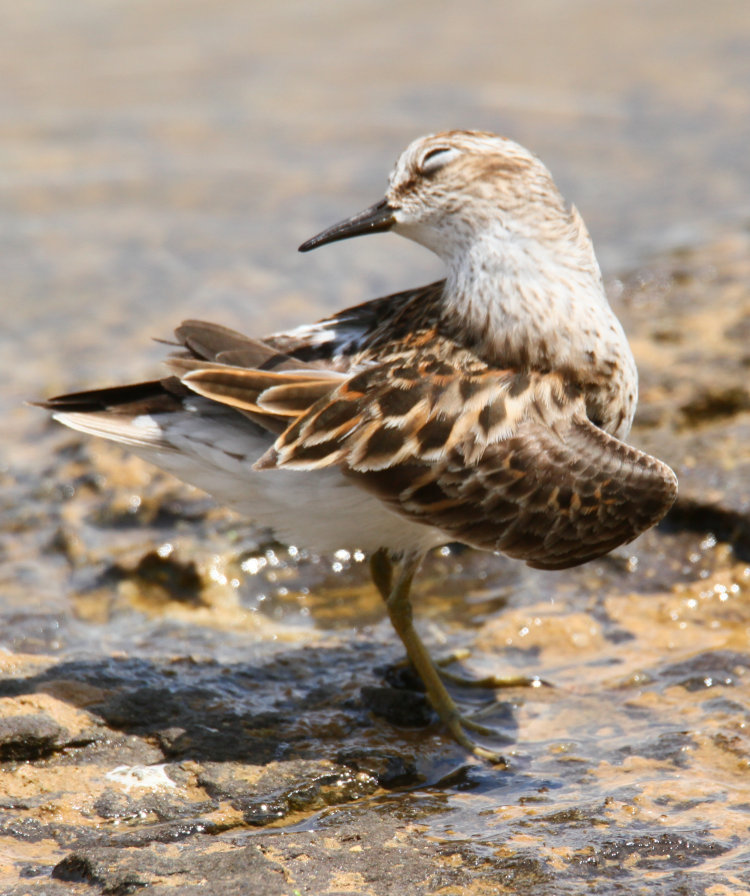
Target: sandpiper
column 488, row 408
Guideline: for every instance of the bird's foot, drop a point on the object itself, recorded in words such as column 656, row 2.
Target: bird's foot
column 492, row 682
column 460, row 725
column 489, row 682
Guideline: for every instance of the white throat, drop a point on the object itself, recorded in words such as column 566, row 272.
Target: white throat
column 537, row 304
column 541, row 301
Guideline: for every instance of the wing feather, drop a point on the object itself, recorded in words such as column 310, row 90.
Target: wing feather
column 286, row 394
column 210, row 341
column 516, row 467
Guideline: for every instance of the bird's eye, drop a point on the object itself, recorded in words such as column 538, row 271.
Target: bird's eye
column 436, row 158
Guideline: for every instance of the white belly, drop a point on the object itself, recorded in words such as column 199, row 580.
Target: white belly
column 214, row 449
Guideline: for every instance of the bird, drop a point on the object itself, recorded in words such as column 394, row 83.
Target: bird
column 489, row 408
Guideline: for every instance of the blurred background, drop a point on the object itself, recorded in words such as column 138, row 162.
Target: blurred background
column 161, row 159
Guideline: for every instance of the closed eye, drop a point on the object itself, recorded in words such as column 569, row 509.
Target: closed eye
column 436, row 158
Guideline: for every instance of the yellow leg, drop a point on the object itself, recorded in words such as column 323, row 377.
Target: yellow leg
column 397, row 601
column 381, row 570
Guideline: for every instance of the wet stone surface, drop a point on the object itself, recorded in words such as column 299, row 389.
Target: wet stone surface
column 188, row 701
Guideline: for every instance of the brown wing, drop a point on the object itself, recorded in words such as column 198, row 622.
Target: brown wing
column 552, row 496
column 213, row 342
column 264, row 392
column 502, row 461
column 335, row 341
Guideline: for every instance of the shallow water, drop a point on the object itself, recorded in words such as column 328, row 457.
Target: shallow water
column 163, row 162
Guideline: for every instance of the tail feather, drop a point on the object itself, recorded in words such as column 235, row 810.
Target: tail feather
column 212, row 342
column 141, row 431
column 151, row 397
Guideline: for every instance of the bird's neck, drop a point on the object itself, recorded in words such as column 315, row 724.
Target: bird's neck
column 522, row 303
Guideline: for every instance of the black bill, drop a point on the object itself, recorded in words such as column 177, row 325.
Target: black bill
column 375, row 219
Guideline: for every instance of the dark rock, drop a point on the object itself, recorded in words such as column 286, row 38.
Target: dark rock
column 144, row 708
column 118, row 872
column 703, row 516
column 402, row 676
column 25, row 830
column 296, row 786
column 524, row 874
column 653, row 851
column 670, row 746
column 389, row 769
column 88, row 869
column 715, row 405
column 234, row 739
column 706, row 670
column 27, row 737
column 406, row 709
column 163, row 805
column 164, row 578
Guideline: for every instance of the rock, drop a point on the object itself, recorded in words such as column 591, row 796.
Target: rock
column 29, row 737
